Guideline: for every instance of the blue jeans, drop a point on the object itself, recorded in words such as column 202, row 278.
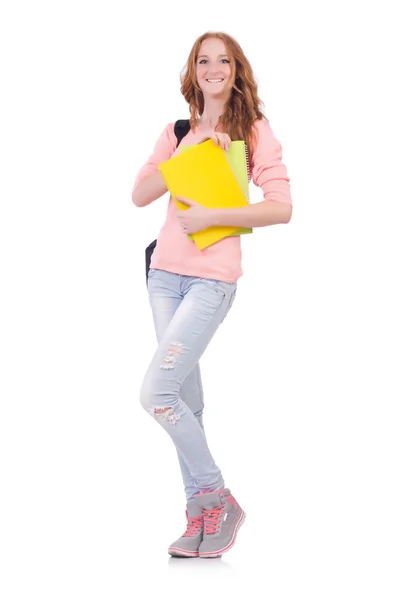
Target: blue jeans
column 187, row 311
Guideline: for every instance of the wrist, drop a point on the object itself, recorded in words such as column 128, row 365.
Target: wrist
column 214, row 217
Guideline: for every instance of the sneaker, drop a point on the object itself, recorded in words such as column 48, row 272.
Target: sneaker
column 223, row 517
column 188, row 544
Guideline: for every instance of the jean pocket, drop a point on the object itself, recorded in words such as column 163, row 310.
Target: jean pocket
column 230, row 303
column 221, row 287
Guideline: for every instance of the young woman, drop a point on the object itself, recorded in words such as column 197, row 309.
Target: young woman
column 192, row 291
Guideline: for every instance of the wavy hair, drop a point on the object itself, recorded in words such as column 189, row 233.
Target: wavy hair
column 243, row 107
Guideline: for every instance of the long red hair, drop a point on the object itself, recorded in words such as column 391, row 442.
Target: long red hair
column 243, row 106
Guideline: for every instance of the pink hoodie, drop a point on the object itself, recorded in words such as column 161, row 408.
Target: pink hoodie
column 175, row 252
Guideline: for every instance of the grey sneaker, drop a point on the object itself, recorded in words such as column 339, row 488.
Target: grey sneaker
column 223, row 517
column 188, row 544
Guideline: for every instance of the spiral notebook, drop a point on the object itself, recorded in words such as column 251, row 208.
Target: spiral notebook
column 238, row 158
column 205, row 174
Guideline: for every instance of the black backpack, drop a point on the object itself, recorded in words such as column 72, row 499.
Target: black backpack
column 181, row 128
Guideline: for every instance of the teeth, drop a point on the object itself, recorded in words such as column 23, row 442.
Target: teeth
column 214, row 80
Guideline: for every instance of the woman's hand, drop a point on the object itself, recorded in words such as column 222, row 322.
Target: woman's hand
column 195, row 218
column 220, row 139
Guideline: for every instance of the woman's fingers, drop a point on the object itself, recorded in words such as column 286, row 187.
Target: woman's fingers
column 222, row 140
column 215, row 139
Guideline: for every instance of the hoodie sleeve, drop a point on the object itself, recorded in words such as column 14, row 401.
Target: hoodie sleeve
column 268, row 170
column 163, row 150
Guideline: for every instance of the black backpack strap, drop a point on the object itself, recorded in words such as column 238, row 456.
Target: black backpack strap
column 181, row 128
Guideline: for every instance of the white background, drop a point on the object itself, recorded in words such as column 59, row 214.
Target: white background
column 300, row 380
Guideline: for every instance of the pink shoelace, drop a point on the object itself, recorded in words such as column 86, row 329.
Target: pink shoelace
column 212, row 519
column 194, row 526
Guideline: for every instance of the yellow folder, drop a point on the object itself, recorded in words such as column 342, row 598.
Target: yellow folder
column 238, row 158
column 204, row 174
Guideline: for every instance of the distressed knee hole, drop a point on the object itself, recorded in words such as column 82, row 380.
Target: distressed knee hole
column 168, row 414
column 169, row 360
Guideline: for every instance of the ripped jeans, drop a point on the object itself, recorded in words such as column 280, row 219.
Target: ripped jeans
column 187, row 311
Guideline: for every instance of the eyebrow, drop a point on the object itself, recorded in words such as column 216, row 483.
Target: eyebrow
column 206, row 56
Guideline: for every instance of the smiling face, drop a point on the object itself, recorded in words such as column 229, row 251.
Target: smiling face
column 213, row 69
